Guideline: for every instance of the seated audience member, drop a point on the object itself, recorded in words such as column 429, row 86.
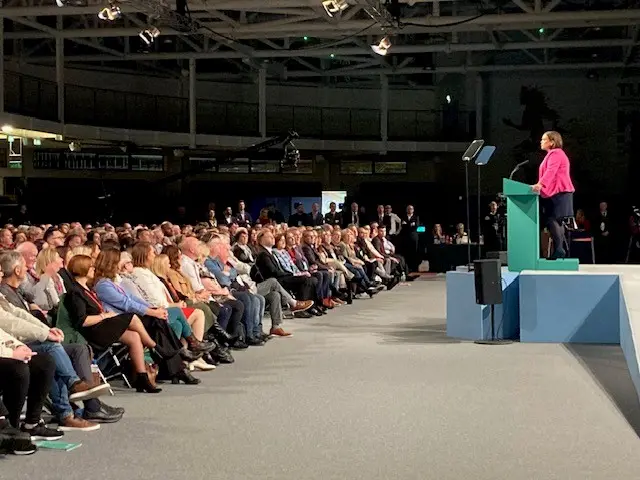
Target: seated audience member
column 227, row 276
column 19, row 238
column 323, row 287
column 362, row 282
column 241, row 248
column 100, row 328
column 161, row 268
column 582, row 222
column 181, row 317
column 273, row 261
column 72, row 241
column 194, row 254
column 380, row 267
column 50, row 286
column 387, row 249
column 24, row 376
column 70, row 358
column 184, row 289
column 116, row 299
column 6, row 239
column 439, row 238
column 307, row 247
column 461, row 237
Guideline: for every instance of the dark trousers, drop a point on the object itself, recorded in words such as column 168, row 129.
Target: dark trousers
column 234, row 322
column 402, row 264
column 303, row 287
column 19, row 380
column 323, row 289
column 222, row 312
column 168, row 346
column 80, row 356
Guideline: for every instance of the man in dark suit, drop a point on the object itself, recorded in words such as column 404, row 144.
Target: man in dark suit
column 228, row 218
column 351, row 217
column 243, row 218
column 332, row 217
column 315, row 217
column 410, row 238
column 267, row 266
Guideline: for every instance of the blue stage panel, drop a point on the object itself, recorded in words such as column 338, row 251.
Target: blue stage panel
column 468, row 320
column 560, row 307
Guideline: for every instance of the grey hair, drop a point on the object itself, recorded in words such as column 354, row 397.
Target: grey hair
column 9, row 261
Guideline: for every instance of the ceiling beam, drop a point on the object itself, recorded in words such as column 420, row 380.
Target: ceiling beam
column 428, row 24
column 351, row 51
column 464, row 69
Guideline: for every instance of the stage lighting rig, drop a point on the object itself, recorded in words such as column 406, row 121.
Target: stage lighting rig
column 111, row 13
column 333, row 7
column 383, row 47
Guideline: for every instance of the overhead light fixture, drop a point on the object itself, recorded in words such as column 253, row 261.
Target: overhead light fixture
column 148, row 35
column 7, row 128
column 383, row 47
column 111, row 13
column 334, row 6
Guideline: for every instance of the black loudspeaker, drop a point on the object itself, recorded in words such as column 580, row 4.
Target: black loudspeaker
column 488, row 279
column 501, row 255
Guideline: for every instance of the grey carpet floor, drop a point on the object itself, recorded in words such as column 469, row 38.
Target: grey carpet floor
column 373, row 391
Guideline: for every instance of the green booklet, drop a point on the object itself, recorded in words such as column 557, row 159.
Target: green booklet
column 56, row 445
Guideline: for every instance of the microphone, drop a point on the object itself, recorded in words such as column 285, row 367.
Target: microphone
column 517, row 168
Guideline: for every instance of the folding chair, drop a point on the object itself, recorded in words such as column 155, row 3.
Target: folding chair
column 109, row 363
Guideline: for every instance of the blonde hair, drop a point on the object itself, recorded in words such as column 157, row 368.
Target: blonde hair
column 44, row 258
column 555, row 138
column 161, row 265
column 203, row 252
column 81, row 250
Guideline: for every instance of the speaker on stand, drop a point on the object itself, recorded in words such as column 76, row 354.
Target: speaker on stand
column 487, row 275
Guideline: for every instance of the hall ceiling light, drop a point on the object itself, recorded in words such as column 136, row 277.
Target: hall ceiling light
column 383, row 47
column 7, row 128
column 334, row 6
column 111, row 13
column 149, row 35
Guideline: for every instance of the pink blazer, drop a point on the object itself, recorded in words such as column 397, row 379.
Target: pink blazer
column 554, row 174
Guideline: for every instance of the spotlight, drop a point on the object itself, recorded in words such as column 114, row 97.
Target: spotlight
column 7, row 129
column 448, row 98
column 334, row 6
column 383, row 47
column 149, row 35
column 75, row 147
column 111, row 13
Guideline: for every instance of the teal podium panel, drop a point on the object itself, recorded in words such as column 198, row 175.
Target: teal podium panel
column 470, row 321
column 523, row 231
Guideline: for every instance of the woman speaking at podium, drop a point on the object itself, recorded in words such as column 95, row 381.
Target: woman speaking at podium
column 556, row 190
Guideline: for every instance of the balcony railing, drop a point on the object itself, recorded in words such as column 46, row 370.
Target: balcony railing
column 35, row 97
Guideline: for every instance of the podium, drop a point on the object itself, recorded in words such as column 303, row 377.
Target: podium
column 523, row 231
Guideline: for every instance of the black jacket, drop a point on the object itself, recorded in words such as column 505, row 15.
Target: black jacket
column 267, row 266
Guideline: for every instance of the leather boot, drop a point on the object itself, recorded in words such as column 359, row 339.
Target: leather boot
column 220, row 334
column 196, row 345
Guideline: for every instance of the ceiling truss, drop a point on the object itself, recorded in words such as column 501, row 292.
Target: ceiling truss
column 296, row 39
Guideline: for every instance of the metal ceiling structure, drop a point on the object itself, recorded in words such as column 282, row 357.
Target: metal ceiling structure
column 299, row 39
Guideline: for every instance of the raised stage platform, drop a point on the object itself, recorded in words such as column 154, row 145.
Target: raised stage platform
column 597, row 304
